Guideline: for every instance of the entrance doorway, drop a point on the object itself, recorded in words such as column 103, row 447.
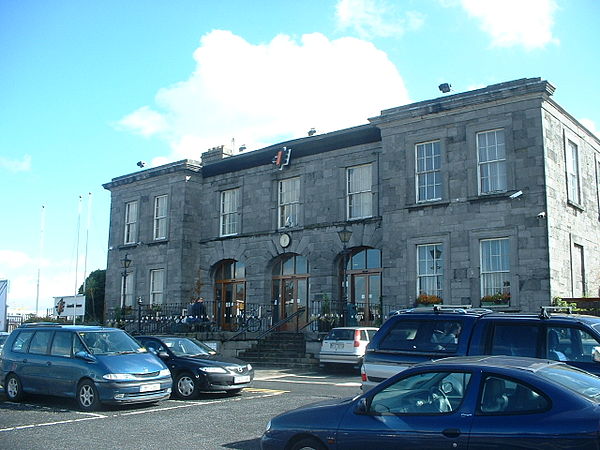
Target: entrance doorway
column 230, row 294
column 290, row 292
column 364, row 274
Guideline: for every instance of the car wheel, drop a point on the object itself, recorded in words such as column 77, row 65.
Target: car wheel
column 13, row 388
column 308, row 444
column 87, row 396
column 233, row 391
column 186, row 386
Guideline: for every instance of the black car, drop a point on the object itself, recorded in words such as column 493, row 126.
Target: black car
column 195, row 367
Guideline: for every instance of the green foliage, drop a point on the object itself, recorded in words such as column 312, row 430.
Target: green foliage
column 94, row 296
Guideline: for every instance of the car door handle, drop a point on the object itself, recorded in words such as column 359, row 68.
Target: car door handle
column 48, row 363
column 451, row 432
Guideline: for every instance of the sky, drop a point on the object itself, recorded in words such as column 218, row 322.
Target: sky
column 89, row 88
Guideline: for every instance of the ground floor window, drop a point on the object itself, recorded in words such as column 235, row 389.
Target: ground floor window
column 495, row 272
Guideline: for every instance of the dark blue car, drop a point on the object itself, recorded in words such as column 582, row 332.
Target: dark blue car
column 94, row 365
column 477, row 402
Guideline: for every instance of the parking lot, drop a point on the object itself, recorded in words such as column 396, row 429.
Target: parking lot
column 212, row 421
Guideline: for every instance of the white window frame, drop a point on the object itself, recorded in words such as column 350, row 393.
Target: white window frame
column 131, row 218
column 157, row 286
column 572, row 170
column 495, row 269
column 289, row 202
column 491, row 167
column 431, row 257
column 428, row 162
column 128, row 283
column 229, row 223
column 160, row 217
column 359, row 198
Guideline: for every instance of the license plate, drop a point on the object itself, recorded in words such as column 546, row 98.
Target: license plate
column 241, row 379
column 336, row 345
column 150, row 387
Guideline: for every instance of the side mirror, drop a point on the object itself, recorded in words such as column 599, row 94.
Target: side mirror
column 163, row 355
column 362, row 406
column 85, row 356
column 596, row 354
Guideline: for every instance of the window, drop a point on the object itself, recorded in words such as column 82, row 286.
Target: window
column 157, row 283
column 569, row 344
column 21, row 343
column 131, row 215
column 515, row 340
column 360, row 199
column 572, row 157
column 495, row 272
column 437, row 336
column 503, row 396
column 127, row 284
column 229, row 212
column 289, row 202
column 422, row 393
column 492, row 161
column 429, row 178
column 430, row 273
column 578, row 267
column 61, row 345
column 39, row 342
column 160, row 217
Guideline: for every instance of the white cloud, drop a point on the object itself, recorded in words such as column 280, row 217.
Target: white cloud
column 263, row 94
column 14, row 165
column 590, row 125
column 376, row 18
column 515, row 22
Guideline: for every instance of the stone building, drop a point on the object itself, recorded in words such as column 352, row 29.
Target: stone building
column 488, row 198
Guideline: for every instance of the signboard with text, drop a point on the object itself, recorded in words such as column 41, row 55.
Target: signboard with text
column 70, row 305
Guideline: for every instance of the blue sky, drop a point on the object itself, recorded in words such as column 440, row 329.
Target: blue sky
column 88, row 88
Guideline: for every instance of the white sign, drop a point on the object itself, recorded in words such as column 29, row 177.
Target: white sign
column 68, row 306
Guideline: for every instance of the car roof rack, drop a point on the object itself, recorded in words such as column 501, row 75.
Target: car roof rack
column 40, row 324
column 546, row 310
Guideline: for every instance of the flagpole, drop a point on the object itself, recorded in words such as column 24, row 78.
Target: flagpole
column 40, row 252
column 77, row 258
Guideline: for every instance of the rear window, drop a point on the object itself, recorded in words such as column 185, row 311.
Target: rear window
column 340, row 334
column 22, row 340
column 439, row 336
column 584, row 383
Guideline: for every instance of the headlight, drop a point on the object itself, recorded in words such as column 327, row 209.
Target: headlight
column 212, row 369
column 249, row 366
column 119, row 376
column 164, row 373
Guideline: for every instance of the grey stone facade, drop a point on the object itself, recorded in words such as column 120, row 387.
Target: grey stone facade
column 553, row 244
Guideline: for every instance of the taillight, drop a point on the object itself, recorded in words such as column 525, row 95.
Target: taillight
column 357, row 338
column 363, row 374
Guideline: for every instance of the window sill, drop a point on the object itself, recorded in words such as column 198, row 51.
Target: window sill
column 575, row 205
column 158, row 242
column 422, row 205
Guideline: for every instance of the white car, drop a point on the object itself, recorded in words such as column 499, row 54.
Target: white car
column 345, row 345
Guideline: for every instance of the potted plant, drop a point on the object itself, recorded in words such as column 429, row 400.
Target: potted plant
column 497, row 299
column 426, row 299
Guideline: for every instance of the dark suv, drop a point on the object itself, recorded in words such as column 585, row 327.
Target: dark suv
column 415, row 335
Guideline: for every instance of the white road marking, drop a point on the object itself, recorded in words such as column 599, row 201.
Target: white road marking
column 188, row 404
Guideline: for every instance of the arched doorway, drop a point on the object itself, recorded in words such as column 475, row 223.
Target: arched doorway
column 230, row 293
column 363, row 272
column 290, row 291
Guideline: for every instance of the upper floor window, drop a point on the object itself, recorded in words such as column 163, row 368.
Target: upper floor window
column 157, row 286
column 131, row 215
column 429, row 178
column 229, row 212
column 289, row 202
column 572, row 156
column 430, row 273
column 160, row 217
column 491, row 157
column 360, row 199
column 495, row 271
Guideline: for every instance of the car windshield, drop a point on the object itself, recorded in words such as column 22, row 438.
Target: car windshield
column 187, row 347
column 113, row 342
column 582, row 382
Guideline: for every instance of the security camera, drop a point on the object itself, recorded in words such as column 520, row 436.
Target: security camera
column 516, row 195
column 141, row 164
column 541, row 215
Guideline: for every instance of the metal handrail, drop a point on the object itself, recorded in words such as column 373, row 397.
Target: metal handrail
column 282, row 322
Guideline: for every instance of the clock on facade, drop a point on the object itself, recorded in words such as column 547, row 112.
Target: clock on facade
column 285, row 240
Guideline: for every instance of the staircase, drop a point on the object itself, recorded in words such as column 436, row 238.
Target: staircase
column 282, row 349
